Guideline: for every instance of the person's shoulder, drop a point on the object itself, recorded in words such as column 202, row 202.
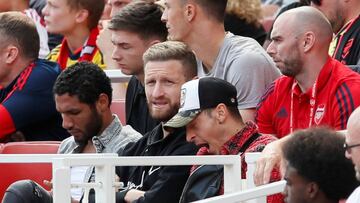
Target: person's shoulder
column 67, row 145
column 344, row 74
column 48, row 65
column 133, row 82
column 130, row 133
column 54, row 53
column 283, row 83
column 260, row 142
column 241, row 44
column 46, row 70
column 180, row 145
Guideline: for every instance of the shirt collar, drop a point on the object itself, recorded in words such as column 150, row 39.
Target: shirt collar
column 114, row 129
column 322, row 78
column 232, row 146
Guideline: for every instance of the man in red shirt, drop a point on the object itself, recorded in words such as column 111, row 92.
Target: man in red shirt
column 316, row 89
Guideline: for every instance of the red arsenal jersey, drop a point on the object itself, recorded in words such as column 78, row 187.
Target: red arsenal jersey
column 337, row 94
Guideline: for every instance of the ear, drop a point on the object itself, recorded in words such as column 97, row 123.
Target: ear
column 102, row 103
column 312, row 189
column 190, row 12
column 12, row 53
column 81, row 15
column 308, row 41
column 152, row 42
column 221, row 113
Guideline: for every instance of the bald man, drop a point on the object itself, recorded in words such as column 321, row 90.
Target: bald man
column 345, row 20
column 352, row 147
column 315, row 90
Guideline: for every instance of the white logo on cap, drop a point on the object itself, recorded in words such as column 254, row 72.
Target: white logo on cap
column 182, row 97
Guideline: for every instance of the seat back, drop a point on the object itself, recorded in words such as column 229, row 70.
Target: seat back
column 11, row 172
column 118, row 108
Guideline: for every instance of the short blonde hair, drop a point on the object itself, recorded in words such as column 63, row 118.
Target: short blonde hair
column 173, row 50
column 249, row 10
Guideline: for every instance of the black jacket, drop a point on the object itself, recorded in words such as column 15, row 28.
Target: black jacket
column 348, row 49
column 162, row 184
column 203, row 183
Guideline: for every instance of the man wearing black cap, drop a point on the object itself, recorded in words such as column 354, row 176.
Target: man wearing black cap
column 209, row 111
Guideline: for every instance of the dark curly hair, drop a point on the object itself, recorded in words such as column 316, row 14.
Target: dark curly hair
column 142, row 18
column 318, row 155
column 84, row 80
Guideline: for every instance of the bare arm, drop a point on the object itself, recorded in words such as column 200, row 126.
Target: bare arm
column 270, row 157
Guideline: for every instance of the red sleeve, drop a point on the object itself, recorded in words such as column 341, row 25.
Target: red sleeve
column 347, row 99
column 6, row 122
column 263, row 117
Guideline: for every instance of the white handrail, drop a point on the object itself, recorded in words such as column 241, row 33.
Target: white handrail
column 46, row 158
column 105, row 184
column 260, row 191
column 105, row 171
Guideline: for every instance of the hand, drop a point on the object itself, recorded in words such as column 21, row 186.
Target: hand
column 133, row 195
column 48, row 184
column 270, row 157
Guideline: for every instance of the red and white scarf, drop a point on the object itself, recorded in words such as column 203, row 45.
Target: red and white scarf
column 87, row 52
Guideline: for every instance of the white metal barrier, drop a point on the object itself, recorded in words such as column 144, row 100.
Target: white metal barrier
column 105, row 179
column 116, row 76
column 104, row 164
column 250, row 194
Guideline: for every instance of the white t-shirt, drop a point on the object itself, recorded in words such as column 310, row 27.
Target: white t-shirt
column 78, row 176
column 355, row 196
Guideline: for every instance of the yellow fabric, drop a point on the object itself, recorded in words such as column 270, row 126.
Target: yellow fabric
column 54, row 55
column 333, row 46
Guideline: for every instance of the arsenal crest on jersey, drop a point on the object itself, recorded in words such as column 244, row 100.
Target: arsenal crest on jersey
column 319, row 113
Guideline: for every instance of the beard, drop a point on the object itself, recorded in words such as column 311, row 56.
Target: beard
column 92, row 128
column 292, row 67
column 165, row 114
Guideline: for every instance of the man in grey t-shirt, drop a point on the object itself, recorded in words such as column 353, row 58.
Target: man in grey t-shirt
column 238, row 60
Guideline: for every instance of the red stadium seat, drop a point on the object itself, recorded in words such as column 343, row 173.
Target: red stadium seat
column 37, row 171
column 118, row 108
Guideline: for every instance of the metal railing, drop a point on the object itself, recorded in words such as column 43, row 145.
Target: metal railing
column 105, row 185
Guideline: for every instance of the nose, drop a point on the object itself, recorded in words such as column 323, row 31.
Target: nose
column 271, row 49
column 348, row 154
column 116, row 54
column 44, row 11
column 67, row 122
column 158, row 90
column 164, row 16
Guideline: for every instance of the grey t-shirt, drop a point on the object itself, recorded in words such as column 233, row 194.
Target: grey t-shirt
column 246, row 65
